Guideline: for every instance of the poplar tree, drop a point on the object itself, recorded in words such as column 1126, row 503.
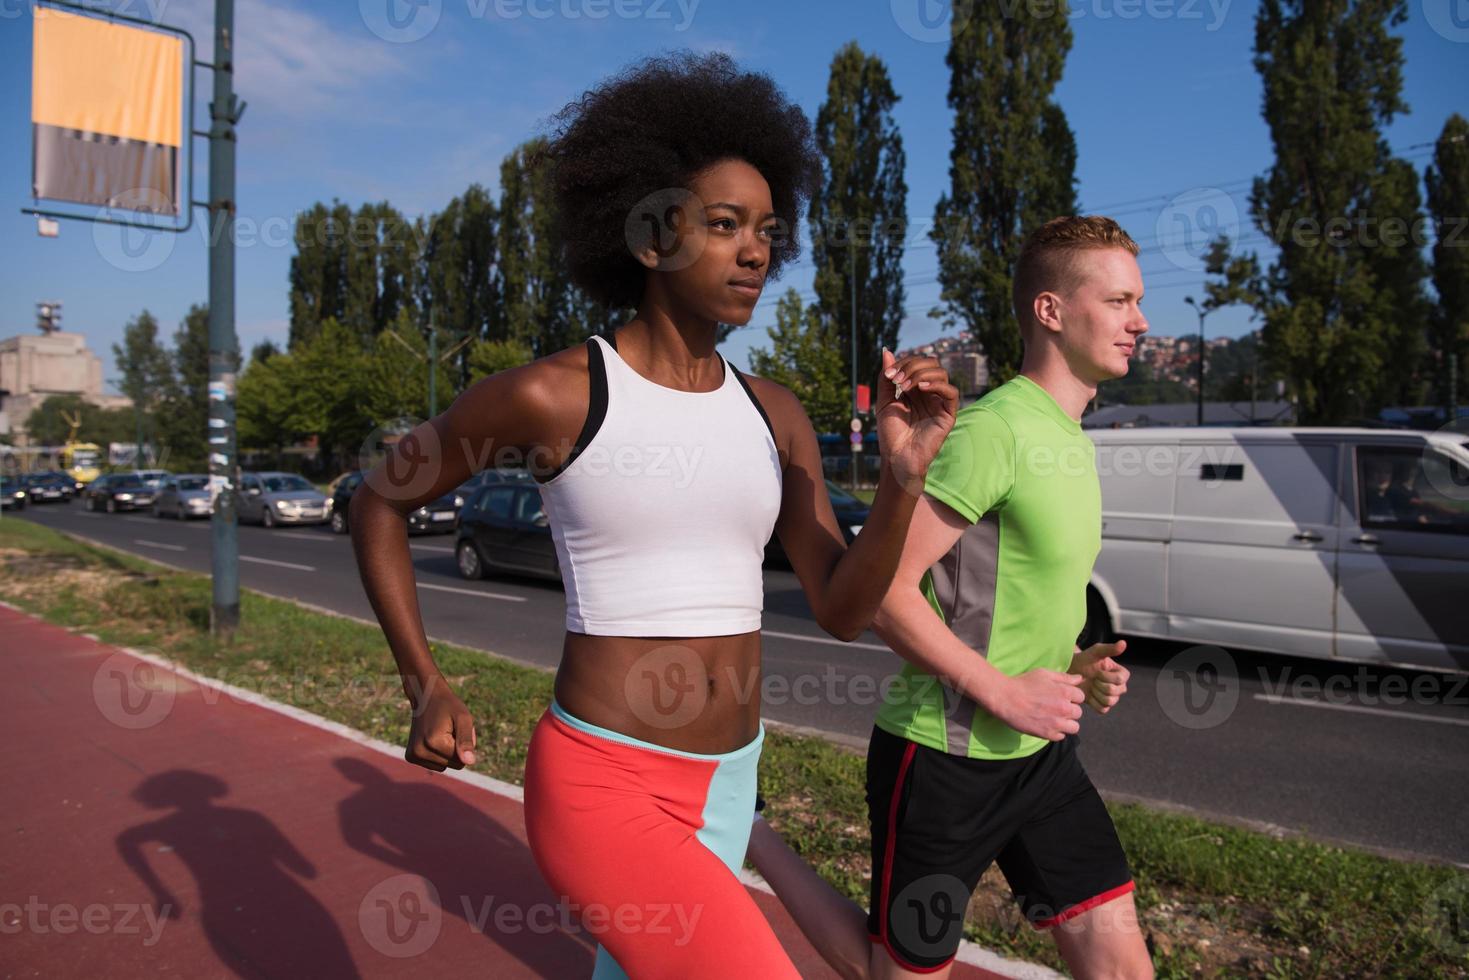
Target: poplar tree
column 1345, row 313
column 1011, row 166
column 859, row 217
column 1448, row 209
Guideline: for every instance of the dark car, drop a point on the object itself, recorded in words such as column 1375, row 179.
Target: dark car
column 441, row 515
column 503, row 527
column 113, row 492
column 13, row 493
column 851, row 514
column 50, row 487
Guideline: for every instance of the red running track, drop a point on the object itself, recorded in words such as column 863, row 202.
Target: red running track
column 283, row 848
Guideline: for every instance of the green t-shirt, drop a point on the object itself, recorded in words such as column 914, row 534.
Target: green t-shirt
column 1013, row 587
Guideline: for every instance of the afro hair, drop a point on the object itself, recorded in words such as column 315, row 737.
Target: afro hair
column 655, row 126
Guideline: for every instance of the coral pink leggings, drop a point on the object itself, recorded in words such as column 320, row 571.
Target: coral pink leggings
column 645, row 843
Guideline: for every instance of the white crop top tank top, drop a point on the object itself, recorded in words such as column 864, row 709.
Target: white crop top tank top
column 662, row 510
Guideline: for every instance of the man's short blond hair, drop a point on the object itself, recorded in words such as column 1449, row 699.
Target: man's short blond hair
column 1047, row 262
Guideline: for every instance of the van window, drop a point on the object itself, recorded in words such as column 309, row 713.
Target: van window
column 1286, row 483
column 1410, row 490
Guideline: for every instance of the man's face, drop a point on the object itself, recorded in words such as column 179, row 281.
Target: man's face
column 1101, row 317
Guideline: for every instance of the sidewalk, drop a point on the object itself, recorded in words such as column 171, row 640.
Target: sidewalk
column 286, row 845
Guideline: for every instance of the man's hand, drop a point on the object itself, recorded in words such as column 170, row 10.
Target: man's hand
column 1039, row 702
column 1104, row 680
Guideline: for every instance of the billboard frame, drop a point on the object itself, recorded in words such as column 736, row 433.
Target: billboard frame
column 189, row 204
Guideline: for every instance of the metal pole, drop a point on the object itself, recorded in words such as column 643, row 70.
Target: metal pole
column 433, row 365
column 1201, row 367
column 223, row 470
column 852, row 275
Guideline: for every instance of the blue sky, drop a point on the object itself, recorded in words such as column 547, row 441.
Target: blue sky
column 413, row 100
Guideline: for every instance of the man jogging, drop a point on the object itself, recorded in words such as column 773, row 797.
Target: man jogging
column 972, row 759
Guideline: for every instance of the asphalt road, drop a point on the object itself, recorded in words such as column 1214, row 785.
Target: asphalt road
column 1366, row 756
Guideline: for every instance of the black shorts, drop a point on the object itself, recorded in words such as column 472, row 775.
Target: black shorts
column 938, row 820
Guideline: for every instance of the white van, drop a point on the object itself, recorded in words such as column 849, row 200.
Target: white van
column 1348, row 544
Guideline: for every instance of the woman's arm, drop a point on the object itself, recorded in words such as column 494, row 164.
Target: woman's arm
column 496, row 414
column 845, row 585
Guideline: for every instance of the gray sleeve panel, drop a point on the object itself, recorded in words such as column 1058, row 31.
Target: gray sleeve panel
column 964, row 585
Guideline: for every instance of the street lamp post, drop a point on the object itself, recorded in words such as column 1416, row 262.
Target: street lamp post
column 1202, row 313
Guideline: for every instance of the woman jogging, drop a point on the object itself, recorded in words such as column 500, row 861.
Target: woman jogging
column 678, row 185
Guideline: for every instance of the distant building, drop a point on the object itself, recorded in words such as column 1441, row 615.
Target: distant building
column 968, row 370
column 35, row 367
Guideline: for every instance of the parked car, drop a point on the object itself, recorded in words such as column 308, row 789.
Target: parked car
column 851, row 514
column 503, row 527
column 13, row 493
column 341, row 499
column 49, row 487
column 184, row 495
column 442, row 515
column 113, row 492
column 280, row 498
column 1348, row 544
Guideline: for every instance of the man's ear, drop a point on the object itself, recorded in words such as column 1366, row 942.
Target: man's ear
column 1047, row 310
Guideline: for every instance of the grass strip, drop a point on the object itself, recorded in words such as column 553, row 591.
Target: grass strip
column 1215, row 900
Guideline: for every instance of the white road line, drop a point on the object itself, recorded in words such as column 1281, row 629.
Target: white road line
column 1314, row 703
column 278, row 564
column 477, row 592
column 824, row 639
column 303, row 536
column 160, row 544
column 431, row 547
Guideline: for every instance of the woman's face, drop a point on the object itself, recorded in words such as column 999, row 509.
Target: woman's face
column 721, row 244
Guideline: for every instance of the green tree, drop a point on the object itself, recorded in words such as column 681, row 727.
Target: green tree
column 459, row 277
column 147, row 371
column 47, row 423
column 1447, row 180
column 1011, row 166
column 859, row 218
column 1345, row 313
column 329, row 376
column 395, row 376
column 805, row 358
column 319, row 269
column 487, row 357
column 265, row 403
column 184, row 419
column 542, row 309
column 380, row 269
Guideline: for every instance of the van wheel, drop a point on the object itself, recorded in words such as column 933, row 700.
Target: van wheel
column 470, row 565
column 1098, row 627
column 339, row 522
